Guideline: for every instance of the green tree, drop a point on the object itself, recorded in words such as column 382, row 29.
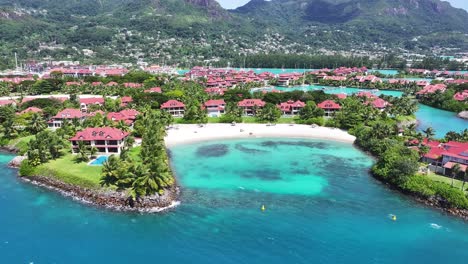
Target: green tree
column 36, row 124
column 455, row 171
column 310, row 111
column 430, row 133
column 83, row 151
column 270, row 113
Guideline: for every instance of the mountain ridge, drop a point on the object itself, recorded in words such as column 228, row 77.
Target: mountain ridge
column 201, row 30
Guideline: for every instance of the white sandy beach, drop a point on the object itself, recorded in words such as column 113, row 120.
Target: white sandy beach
column 184, row 134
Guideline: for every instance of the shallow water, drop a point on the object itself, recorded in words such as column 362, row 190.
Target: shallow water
column 337, row 90
column 321, row 207
column 441, row 121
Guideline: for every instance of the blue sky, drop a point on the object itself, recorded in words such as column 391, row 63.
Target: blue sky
column 235, row 3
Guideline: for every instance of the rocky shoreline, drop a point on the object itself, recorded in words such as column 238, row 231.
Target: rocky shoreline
column 435, row 202
column 463, row 115
column 112, row 200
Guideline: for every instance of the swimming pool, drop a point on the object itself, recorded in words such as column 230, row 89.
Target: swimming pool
column 99, row 161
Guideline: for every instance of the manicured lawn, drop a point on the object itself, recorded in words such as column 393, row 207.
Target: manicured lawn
column 456, row 183
column 21, row 143
column 68, row 171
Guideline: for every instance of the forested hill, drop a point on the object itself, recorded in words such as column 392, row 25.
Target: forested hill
column 190, row 31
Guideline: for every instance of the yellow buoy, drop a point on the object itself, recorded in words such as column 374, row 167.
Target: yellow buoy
column 394, row 218
column 263, row 208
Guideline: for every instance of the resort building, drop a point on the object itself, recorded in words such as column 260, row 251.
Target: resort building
column 330, row 107
column 430, row 89
column 443, row 156
column 66, row 114
column 133, row 85
column 31, row 110
column 216, row 91
column 215, row 108
column 106, row 139
column 291, row 108
column 125, row 100
column 378, row 103
column 86, row 102
column 250, row 106
column 128, row 116
column 461, row 96
column 174, row 107
column 287, row 79
column 154, row 90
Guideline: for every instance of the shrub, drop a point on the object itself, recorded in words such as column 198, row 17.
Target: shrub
column 26, row 169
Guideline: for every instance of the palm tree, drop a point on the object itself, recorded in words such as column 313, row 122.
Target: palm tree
column 465, row 178
column 420, row 139
column 110, row 171
column 429, row 133
column 455, row 171
column 122, row 126
column 145, row 183
column 93, row 151
column 124, row 154
column 37, row 123
column 82, row 151
column 129, row 141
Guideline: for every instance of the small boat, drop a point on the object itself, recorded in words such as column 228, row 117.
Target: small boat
column 263, row 208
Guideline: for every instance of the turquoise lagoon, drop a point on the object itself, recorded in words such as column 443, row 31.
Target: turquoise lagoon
column 334, row 90
column 321, row 207
column 441, row 121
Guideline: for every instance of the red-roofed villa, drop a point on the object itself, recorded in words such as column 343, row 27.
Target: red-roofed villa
column 291, row 108
column 215, row 108
column 330, row 107
column 106, row 139
column 174, row 107
column 251, row 105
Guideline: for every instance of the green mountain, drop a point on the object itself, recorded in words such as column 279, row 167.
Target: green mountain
column 197, row 31
column 379, row 21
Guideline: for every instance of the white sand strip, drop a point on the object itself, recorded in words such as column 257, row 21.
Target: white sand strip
column 185, row 134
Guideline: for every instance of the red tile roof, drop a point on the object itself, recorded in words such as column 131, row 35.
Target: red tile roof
column 461, row 96
column 379, row 103
column 329, row 105
column 101, row 133
column 251, row 103
column 31, row 110
column 70, row 113
column 287, row 106
column 127, row 115
column 172, row 104
column 154, row 90
column 213, row 103
column 94, row 100
column 450, row 165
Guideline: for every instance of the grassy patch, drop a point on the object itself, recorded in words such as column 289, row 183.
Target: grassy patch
column 406, row 118
column 21, row 143
column 67, row 170
column 134, row 153
column 438, row 178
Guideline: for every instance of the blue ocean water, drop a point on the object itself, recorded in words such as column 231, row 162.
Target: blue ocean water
column 321, row 207
column 441, row 121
